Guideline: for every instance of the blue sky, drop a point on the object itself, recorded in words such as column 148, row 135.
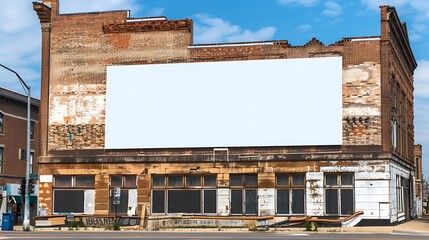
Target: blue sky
column 228, row 21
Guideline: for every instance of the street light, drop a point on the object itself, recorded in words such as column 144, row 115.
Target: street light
column 26, row 222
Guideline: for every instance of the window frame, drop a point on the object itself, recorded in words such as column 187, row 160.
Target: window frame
column 1, row 123
column 72, row 182
column 247, row 187
column 125, row 189
column 1, row 158
column 32, row 130
column 72, row 187
column 123, row 181
column 163, row 192
column 290, row 187
column 340, row 188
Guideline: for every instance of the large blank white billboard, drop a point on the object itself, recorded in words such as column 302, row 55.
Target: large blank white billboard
column 286, row 102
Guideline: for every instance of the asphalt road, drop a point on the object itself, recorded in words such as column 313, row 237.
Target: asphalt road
column 203, row 235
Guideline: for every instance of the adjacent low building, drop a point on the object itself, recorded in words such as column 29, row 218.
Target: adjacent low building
column 138, row 120
column 13, row 147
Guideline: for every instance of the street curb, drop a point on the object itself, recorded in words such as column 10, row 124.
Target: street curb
column 411, row 232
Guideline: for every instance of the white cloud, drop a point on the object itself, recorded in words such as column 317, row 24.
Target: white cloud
column 375, row 5
column 306, row 3
column 17, row 17
column 332, row 9
column 421, row 80
column 75, row 6
column 211, row 30
column 20, row 38
column 417, row 9
column 304, row 27
column 421, row 106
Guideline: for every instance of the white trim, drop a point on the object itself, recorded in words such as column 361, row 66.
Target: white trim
column 2, row 145
column 18, row 117
column 365, row 39
column 147, row 19
column 230, row 45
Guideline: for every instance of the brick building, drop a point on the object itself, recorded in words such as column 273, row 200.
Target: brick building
column 112, row 115
column 13, row 147
column 419, row 178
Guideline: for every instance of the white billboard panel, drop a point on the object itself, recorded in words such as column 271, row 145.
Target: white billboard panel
column 286, row 102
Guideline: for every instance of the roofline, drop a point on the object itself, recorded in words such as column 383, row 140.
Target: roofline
column 18, row 96
column 237, row 44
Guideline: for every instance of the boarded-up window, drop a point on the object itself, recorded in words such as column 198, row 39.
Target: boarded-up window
column 184, row 201
column 69, row 201
column 74, row 194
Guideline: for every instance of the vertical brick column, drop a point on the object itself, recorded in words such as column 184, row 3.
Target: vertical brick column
column 102, row 194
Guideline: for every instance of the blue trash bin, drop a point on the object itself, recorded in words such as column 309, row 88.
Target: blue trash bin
column 7, row 222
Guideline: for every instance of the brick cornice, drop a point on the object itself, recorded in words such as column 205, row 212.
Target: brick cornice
column 149, row 26
column 43, row 12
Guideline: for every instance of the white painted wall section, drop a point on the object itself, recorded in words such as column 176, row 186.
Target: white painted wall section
column 89, row 198
column 315, row 194
column 266, row 201
column 223, row 207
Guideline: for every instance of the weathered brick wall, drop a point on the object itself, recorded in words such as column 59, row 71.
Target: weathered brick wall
column 82, row 45
column 81, row 48
column 266, row 175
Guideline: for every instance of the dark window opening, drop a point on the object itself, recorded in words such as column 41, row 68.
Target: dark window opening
column 236, row 201
column 290, row 193
column 175, row 181
column 1, row 123
column 158, row 181
column 69, row 201
column 1, row 160
column 339, row 193
column 63, row 181
column 85, row 181
column 193, row 180
column 331, row 201
column 184, row 201
column 210, row 201
column 32, row 130
column 283, row 201
column 187, row 194
column 122, row 207
column 158, row 201
column 123, row 181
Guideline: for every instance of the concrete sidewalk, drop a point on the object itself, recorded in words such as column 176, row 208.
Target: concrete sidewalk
column 415, row 226
column 419, row 225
